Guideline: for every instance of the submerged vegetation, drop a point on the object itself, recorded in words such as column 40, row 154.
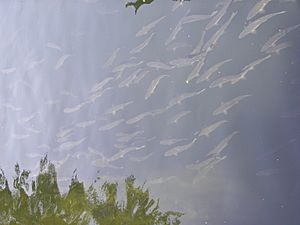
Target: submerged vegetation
column 39, row 202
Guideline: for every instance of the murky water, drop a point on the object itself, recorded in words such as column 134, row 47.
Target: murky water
column 200, row 99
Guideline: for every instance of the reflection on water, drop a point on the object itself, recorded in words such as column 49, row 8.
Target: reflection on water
column 197, row 98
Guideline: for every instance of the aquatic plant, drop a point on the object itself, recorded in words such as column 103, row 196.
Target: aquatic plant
column 40, row 202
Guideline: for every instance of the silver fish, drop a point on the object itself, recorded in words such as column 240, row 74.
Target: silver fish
column 222, row 145
column 153, row 86
column 216, row 19
column 178, row 116
column 122, row 67
column 53, row 46
column 130, row 79
column 200, row 44
column 276, row 49
column 211, row 43
column 257, row 8
column 114, row 109
column 140, row 76
column 179, row 149
column 61, row 61
column 74, row 108
column 206, row 131
column 112, row 58
column 171, row 141
column 224, row 107
column 67, row 146
column 196, row 71
column 208, row 73
column 195, row 18
column 252, row 65
column 125, row 151
column 129, row 137
column 271, row 42
column 145, row 29
column 141, row 46
column 180, row 98
column 96, row 95
column 111, row 125
column 85, row 124
column 138, row 117
column 98, row 86
column 140, row 159
column 253, row 26
column 159, row 65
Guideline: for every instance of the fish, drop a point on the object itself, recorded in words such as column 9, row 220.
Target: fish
column 64, row 132
column 176, row 45
column 178, row 116
column 60, row 62
column 125, row 151
column 195, row 18
column 233, row 79
column 138, row 118
column 196, row 71
column 34, row 64
column 161, row 180
column 153, row 86
column 200, row 165
column 7, row 71
column 96, row 95
column 113, row 110
column 122, row 67
column 129, row 137
column 111, row 125
column 200, row 44
column 140, row 159
column 224, row 107
column 99, row 85
column 147, row 28
column 278, row 48
column 74, row 108
column 222, row 145
column 171, row 141
column 102, row 162
column 271, row 42
column 85, row 124
column 34, row 155
column 53, row 46
column 20, row 136
column 181, row 62
column 67, row 146
column 159, row 65
column 173, row 34
column 112, row 58
column 254, row 25
column 206, row 169
column 252, row 65
column 180, row 98
column 216, row 19
column 130, row 79
column 141, row 46
column 258, row 8
column 211, row 43
column 140, row 76
column 206, row 131
column 27, row 119
column 179, row 149
column 59, row 163
column 208, row 73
